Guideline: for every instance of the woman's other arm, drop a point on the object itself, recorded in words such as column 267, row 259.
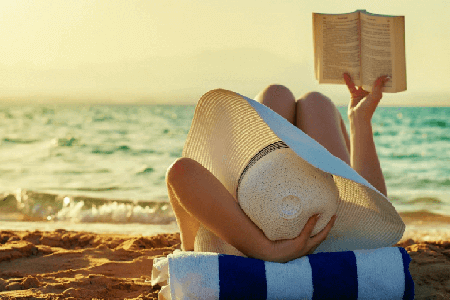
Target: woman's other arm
column 199, row 193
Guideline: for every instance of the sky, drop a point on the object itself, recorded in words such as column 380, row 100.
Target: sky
column 172, row 52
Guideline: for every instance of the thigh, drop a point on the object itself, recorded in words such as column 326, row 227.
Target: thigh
column 318, row 117
column 280, row 99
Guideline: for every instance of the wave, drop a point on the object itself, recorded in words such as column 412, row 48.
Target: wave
column 435, row 123
column 81, row 172
column 440, row 138
column 66, row 142
column 108, row 150
column 20, row 141
column 102, row 189
column 381, row 132
column 401, row 156
column 40, row 206
column 437, row 182
column 112, row 213
column 426, row 200
column 146, row 170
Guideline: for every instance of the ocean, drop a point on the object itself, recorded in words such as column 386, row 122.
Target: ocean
column 106, row 164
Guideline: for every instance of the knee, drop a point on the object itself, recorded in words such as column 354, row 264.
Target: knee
column 275, row 91
column 317, row 100
column 317, row 105
column 279, row 99
column 279, row 91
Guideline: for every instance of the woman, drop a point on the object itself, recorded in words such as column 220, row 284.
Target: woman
column 194, row 191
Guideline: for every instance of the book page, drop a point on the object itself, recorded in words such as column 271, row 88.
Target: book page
column 379, row 53
column 336, row 47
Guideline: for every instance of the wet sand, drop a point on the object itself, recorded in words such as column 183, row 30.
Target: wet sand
column 62, row 264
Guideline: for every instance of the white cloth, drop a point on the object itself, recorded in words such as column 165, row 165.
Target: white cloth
column 361, row 274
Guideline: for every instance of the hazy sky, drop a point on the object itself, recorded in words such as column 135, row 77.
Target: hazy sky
column 174, row 51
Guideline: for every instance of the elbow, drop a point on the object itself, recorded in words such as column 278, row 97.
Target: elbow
column 174, row 170
column 178, row 170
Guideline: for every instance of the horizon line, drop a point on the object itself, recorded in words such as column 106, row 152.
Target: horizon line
column 149, row 103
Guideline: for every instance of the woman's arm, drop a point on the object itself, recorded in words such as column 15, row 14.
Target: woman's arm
column 204, row 197
column 363, row 155
column 199, row 193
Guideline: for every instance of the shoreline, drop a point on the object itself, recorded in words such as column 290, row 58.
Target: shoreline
column 420, row 226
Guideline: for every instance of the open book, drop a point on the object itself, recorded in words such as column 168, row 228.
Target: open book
column 365, row 45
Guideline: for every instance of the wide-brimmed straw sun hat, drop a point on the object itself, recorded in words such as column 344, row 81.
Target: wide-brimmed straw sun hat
column 281, row 177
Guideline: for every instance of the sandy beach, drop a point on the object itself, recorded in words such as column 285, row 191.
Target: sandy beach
column 63, row 264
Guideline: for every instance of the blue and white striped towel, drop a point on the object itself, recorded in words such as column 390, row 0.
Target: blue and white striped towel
column 381, row 273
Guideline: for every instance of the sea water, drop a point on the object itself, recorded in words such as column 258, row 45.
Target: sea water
column 107, row 163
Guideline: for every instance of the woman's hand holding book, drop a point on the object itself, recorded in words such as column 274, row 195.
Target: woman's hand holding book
column 363, row 104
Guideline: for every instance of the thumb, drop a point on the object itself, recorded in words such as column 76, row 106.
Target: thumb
column 378, row 86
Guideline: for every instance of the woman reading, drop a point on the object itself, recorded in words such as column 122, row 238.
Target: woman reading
column 204, row 185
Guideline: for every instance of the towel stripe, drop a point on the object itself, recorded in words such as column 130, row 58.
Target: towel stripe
column 289, row 279
column 334, row 275
column 409, row 283
column 237, row 278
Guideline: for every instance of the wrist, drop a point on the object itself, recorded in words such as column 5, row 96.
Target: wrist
column 274, row 253
column 360, row 124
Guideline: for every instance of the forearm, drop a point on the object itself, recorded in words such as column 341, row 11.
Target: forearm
column 204, row 197
column 363, row 155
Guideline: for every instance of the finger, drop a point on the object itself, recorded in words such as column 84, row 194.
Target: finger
column 380, row 82
column 377, row 88
column 301, row 241
column 309, row 227
column 318, row 238
column 349, row 82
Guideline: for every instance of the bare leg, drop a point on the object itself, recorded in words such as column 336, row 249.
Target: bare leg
column 345, row 133
column 319, row 118
column 314, row 113
column 280, row 99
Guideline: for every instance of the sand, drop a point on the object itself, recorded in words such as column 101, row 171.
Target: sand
column 82, row 265
column 64, row 264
